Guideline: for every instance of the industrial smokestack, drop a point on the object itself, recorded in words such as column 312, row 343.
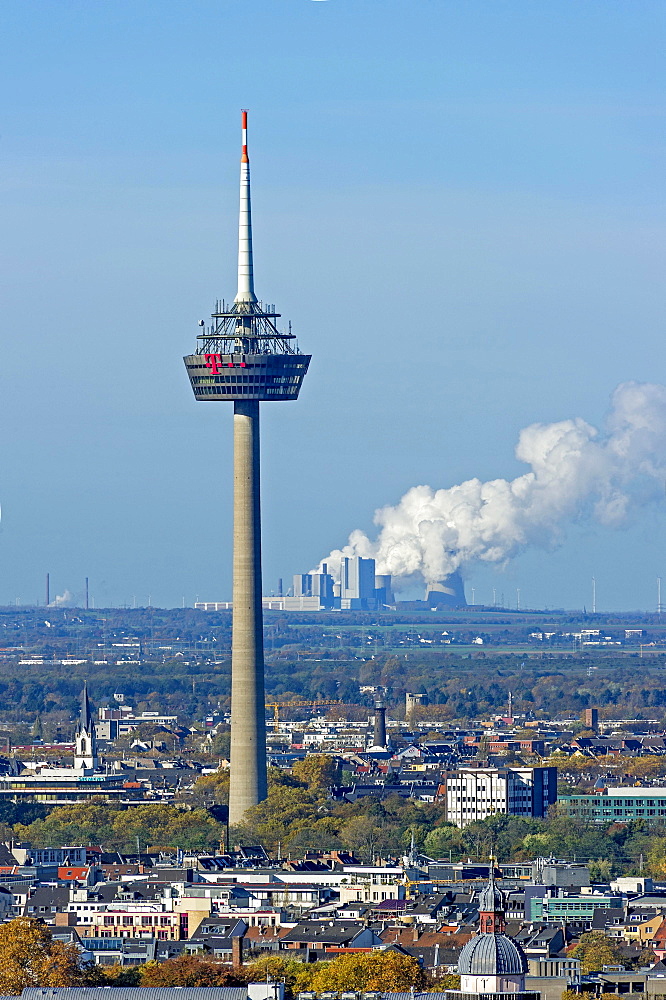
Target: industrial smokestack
column 380, row 722
column 48, row 590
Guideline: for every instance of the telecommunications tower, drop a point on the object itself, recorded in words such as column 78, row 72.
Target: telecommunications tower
column 242, row 357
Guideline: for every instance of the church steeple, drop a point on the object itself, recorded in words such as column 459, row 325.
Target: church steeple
column 491, row 905
column 86, row 743
column 491, row 964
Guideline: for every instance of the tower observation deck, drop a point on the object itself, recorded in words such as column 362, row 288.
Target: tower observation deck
column 243, row 357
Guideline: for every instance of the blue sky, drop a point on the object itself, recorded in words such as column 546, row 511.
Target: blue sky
column 459, row 205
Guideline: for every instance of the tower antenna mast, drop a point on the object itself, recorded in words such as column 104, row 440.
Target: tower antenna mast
column 243, row 357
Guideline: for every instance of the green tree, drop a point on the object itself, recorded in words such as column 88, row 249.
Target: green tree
column 449, row 981
column 444, row 838
column 282, row 814
column 118, row 975
column 221, row 745
column 208, row 790
column 37, row 731
column 154, row 824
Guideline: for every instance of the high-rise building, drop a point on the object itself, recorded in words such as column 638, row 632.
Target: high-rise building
column 358, row 590
column 243, row 357
column 384, row 589
column 474, row 793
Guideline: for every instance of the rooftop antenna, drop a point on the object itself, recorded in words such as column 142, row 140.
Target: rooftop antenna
column 245, row 264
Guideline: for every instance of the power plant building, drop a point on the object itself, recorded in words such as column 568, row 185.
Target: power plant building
column 359, row 589
column 312, row 592
column 357, row 583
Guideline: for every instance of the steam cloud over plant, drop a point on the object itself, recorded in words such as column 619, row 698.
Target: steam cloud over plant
column 575, row 472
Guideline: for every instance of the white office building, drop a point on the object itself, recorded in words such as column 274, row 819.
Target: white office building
column 478, row 792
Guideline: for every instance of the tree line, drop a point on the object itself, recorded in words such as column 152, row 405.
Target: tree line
column 299, row 815
column 30, row 957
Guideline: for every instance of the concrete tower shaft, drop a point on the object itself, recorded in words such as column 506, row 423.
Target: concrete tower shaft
column 244, row 357
column 248, row 712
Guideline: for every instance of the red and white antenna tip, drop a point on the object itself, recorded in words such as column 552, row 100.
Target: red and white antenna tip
column 244, row 156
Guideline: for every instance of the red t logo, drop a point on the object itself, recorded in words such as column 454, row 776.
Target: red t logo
column 212, row 361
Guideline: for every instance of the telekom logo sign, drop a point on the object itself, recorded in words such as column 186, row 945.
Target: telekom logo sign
column 215, row 363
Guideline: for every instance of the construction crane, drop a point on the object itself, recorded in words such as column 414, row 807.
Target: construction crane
column 277, row 705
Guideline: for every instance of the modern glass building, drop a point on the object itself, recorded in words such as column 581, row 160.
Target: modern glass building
column 617, row 805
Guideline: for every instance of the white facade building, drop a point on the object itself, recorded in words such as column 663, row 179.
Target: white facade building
column 478, row 792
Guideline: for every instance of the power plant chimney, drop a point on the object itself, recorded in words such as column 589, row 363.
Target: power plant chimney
column 48, row 590
column 380, row 721
column 245, row 358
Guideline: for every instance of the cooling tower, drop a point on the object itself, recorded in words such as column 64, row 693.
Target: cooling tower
column 447, row 593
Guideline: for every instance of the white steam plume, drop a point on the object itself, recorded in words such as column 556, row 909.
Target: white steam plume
column 575, row 472
column 62, row 600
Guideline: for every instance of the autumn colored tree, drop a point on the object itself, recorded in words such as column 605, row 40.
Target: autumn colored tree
column 388, row 971
column 596, row 950
column 187, row 970
column 295, row 975
column 449, row 981
column 645, row 767
column 317, row 770
column 30, row 957
column 117, row 975
column 278, row 817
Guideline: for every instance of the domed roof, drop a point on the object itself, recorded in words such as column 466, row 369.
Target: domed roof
column 492, row 955
column 491, row 899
